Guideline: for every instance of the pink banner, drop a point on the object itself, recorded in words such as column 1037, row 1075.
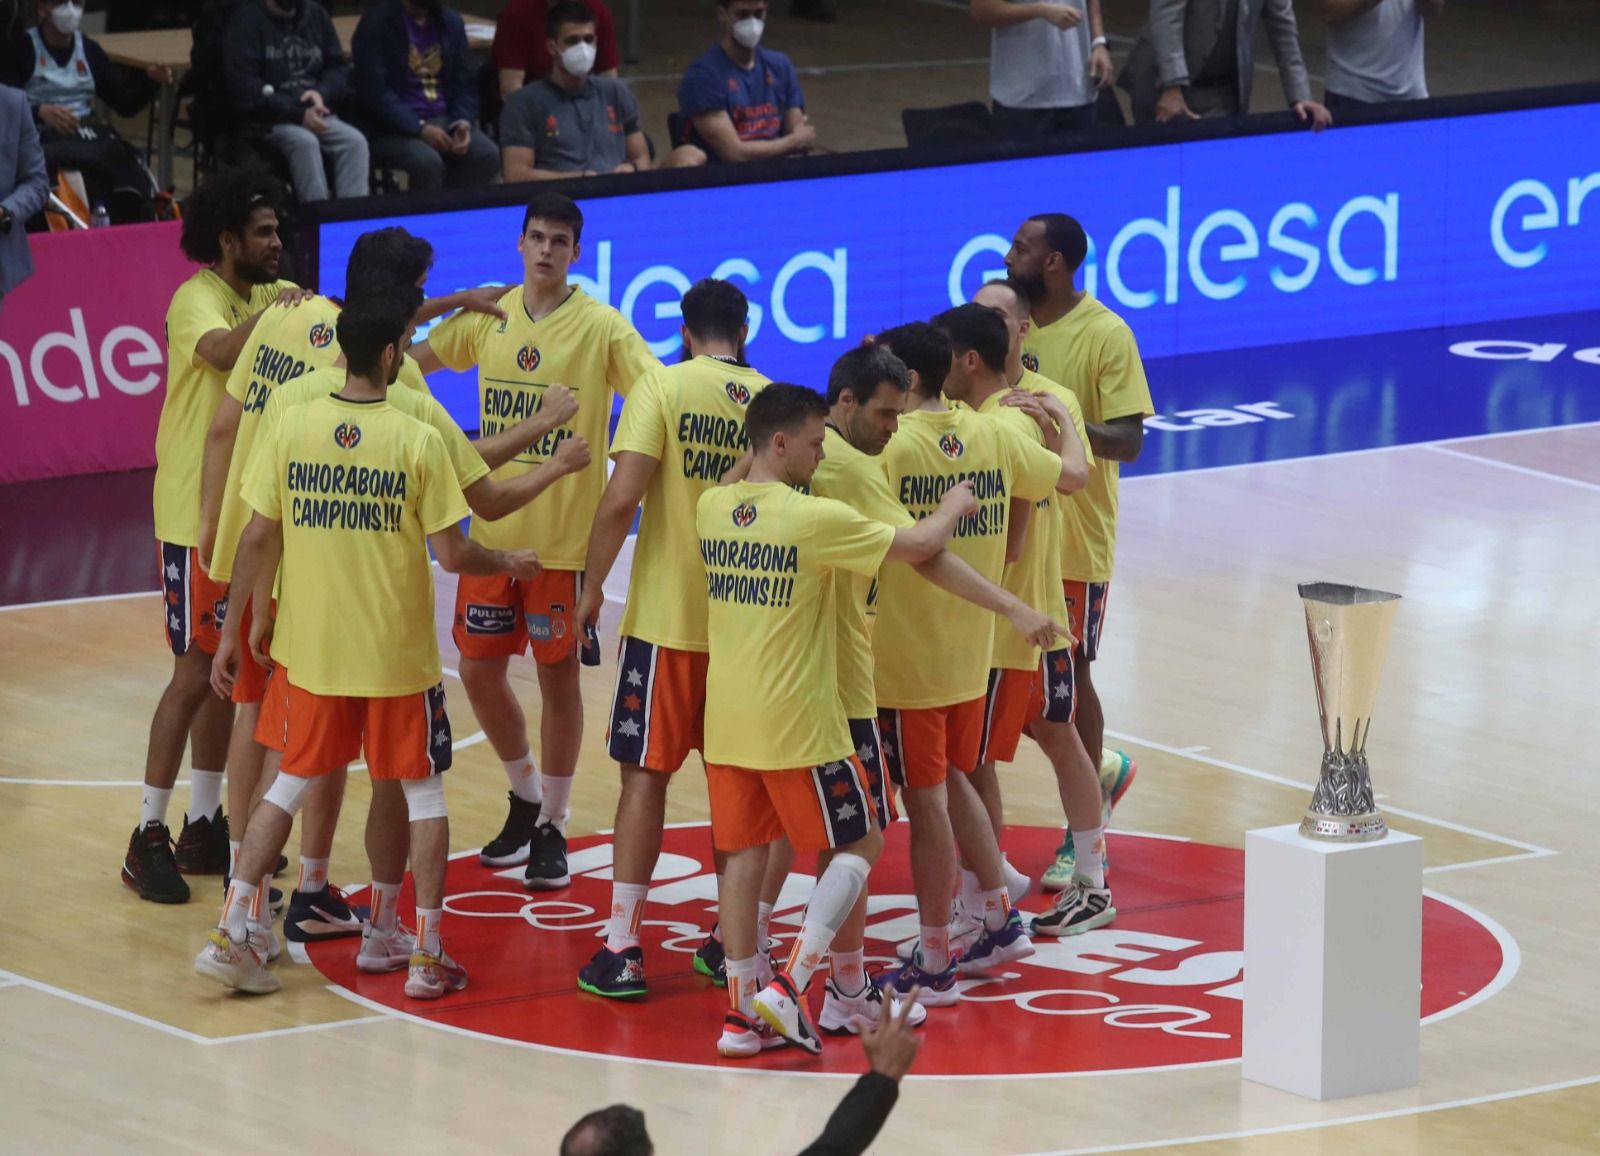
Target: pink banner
column 83, row 352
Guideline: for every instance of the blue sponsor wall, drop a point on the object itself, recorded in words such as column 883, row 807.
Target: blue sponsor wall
column 1285, row 270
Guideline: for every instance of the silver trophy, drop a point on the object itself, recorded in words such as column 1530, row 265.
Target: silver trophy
column 1348, row 628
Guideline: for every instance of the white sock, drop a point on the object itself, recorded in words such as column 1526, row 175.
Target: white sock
column 850, row 971
column 743, row 981
column 1091, row 866
column 836, row 893
column 153, row 808
column 994, row 908
column 969, row 901
column 627, row 915
column 236, row 905
column 763, row 926
column 233, row 855
column 524, row 777
column 935, row 948
column 1017, row 883
column 205, row 794
column 428, row 929
column 553, row 810
column 313, row 875
column 385, row 906
column 261, row 913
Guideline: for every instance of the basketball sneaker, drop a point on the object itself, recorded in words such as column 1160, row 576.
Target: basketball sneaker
column 614, row 974
column 840, row 1012
column 547, row 860
column 264, row 942
column 783, row 1009
column 964, row 932
column 938, row 987
column 383, row 951
column 150, row 868
column 711, row 960
column 1059, row 875
column 203, row 845
column 743, row 1038
column 235, row 965
column 510, row 847
column 994, row 949
column 432, row 976
column 1116, row 776
column 1081, row 908
column 324, row 914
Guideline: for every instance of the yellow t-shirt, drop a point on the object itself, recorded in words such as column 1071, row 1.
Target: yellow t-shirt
column 690, row 418
column 847, row 475
column 1092, row 352
column 770, row 553
column 933, row 648
column 584, row 345
column 358, row 487
column 203, row 303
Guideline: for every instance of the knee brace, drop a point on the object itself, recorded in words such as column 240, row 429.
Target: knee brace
column 287, row 793
column 424, row 798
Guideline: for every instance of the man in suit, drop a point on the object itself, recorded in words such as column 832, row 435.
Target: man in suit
column 24, row 187
column 1196, row 58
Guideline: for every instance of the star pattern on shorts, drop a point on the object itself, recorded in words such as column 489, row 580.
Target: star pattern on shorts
column 1061, row 690
column 866, row 754
column 846, row 811
column 839, row 790
column 174, row 622
column 1063, row 664
column 628, row 727
column 632, row 703
column 888, row 748
column 634, row 677
column 173, row 573
column 441, row 739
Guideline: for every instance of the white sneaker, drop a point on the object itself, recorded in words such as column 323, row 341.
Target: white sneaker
column 432, row 976
column 783, row 1008
column 840, row 1011
column 743, row 1038
column 264, row 942
column 964, row 932
column 1018, row 885
column 234, row 965
column 383, row 951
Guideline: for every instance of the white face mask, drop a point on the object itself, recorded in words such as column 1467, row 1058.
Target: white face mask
column 578, row 59
column 66, row 18
column 748, row 31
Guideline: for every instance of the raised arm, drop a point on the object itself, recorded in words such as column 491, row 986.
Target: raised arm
column 624, row 491
column 459, row 554
column 491, row 498
column 950, row 573
column 556, row 408
column 922, row 541
column 220, row 348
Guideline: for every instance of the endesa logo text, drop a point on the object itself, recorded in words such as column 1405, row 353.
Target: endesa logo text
column 68, row 365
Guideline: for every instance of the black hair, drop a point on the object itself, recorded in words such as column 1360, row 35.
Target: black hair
column 862, row 369
column 387, row 255
column 977, row 328
column 924, row 349
column 781, row 408
column 557, row 207
column 376, row 319
column 715, row 310
column 224, row 203
column 566, row 12
column 1063, row 234
column 1024, row 301
column 615, row 1131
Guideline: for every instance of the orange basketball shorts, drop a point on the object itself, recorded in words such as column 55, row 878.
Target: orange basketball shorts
column 250, row 683
column 1086, row 614
column 402, row 737
column 920, row 745
column 1018, row 697
column 658, row 712
column 499, row 616
column 194, row 604
column 815, row 807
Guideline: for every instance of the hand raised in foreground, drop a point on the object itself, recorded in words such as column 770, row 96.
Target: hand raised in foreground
column 890, row 1044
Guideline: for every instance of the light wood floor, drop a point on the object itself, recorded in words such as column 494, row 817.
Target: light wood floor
column 1485, row 746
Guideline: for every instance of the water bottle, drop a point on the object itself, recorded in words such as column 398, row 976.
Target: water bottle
column 99, row 218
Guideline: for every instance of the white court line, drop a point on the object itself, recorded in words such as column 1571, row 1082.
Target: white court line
column 1510, row 958
column 1510, row 467
column 1150, row 835
column 80, row 601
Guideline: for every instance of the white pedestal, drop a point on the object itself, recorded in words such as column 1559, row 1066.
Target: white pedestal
column 1332, row 963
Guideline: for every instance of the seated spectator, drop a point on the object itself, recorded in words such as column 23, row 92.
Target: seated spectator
column 1047, row 63
column 288, row 76
column 417, row 85
column 64, row 72
column 574, row 123
column 743, row 102
column 1375, row 50
column 522, row 43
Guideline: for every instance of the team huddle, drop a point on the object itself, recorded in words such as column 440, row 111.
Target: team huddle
column 852, row 604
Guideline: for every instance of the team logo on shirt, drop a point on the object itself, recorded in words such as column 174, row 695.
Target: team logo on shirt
column 743, row 514
column 528, row 358
column 951, row 446
column 347, row 435
column 739, row 392
column 1030, row 362
column 321, row 335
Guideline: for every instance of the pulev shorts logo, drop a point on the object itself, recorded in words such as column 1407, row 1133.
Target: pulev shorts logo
column 528, row 358
column 1030, row 362
column 321, row 335
column 482, row 619
column 739, row 392
column 951, row 446
column 347, row 435
column 743, row 514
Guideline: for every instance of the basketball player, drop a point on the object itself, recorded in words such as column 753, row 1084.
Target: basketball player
column 681, row 429
column 932, row 649
column 350, row 492
column 553, row 332
column 779, row 757
column 1079, row 343
column 230, row 227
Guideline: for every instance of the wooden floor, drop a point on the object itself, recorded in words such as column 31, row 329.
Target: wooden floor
column 1485, row 746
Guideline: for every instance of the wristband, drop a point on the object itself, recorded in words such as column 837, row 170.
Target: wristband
column 1097, row 42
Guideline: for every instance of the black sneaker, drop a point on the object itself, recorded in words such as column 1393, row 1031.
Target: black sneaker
column 1081, row 908
column 274, row 898
column 203, row 845
column 510, row 847
column 149, row 868
column 325, row 914
column 711, row 960
column 547, row 860
column 614, row 974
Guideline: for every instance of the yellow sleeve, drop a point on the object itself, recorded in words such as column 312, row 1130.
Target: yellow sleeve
column 1034, row 470
column 194, row 313
column 642, row 428
column 456, row 340
column 411, row 377
column 846, row 540
column 874, row 498
column 441, row 503
column 1124, row 389
column 465, row 461
column 261, row 473
column 239, row 375
column 630, row 358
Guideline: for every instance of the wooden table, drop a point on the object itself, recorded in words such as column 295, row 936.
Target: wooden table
column 170, row 47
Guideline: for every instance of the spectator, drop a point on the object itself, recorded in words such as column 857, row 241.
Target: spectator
column 572, row 122
column 24, row 187
column 741, row 101
column 1047, row 63
column 288, row 75
column 1375, row 50
column 522, row 43
column 63, row 72
column 417, row 84
column 615, row 1131
column 1196, row 58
